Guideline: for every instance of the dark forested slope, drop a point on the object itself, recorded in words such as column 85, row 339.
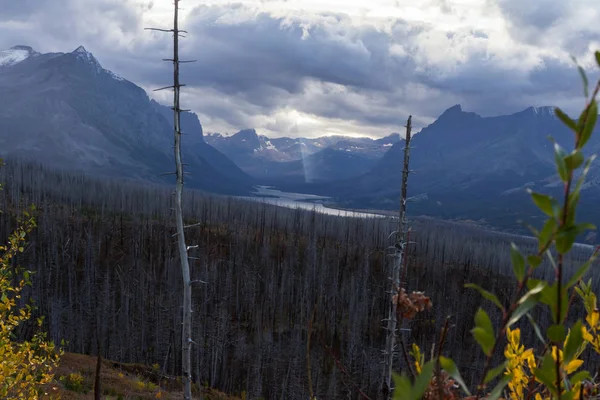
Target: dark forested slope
column 106, row 264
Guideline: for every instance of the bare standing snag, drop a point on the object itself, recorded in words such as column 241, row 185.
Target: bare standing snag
column 186, row 334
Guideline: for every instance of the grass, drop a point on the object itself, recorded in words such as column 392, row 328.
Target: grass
column 74, row 380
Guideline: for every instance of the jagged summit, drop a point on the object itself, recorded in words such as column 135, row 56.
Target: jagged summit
column 82, row 54
column 454, row 109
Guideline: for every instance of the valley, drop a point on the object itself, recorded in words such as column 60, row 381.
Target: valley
column 318, row 204
column 250, row 266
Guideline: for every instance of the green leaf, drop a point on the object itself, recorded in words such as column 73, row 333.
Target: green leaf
column 484, row 331
column 557, row 333
column 518, row 262
column 522, row 310
column 422, row 381
column 590, row 123
column 499, row 388
column 544, row 202
column 579, row 376
column 494, row 372
column 402, row 387
column 534, row 290
column 547, row 233
column 534, row 260
column 450, row 367
column 597, row 54
column 574, row 341
column 483, row 320
column 551, row 259
column 559, row 159
column 485, row 340
column 546, row 373
column 582, row 270
column 572, row 205
column 583, row 77
column 549, row 297
column 569, row 395
column 568, row 121
column 574, row 160
column 536, row 328
column 565, row 240
column 486, row 294
column 584, row 226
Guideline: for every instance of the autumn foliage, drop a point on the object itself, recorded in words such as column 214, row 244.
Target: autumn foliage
column 24, row 366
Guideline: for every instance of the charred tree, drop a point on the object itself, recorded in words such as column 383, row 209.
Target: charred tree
column 186, row 332
column 399, row 247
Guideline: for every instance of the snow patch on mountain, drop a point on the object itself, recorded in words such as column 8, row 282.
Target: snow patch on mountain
column 86, row 56
column 545, row 110
column 15, row 55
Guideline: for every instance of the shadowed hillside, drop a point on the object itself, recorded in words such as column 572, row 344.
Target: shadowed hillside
column 106, row 265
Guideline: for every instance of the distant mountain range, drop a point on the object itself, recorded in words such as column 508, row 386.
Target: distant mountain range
column 326, row 158
column 66, row 110
column 471, row 167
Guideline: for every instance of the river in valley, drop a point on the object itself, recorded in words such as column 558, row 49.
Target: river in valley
column 269, row 195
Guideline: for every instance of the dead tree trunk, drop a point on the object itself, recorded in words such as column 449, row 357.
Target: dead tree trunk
column 186, row 337
column 390, row 342
column 186, row 333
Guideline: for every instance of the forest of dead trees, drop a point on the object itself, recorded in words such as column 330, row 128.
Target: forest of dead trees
column 106, row 271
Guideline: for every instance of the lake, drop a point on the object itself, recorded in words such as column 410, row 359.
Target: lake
column 267, row 194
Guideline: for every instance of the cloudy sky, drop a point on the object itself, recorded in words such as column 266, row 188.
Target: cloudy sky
column 314, row 67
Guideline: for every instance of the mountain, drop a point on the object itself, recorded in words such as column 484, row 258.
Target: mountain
column 66, row 110
column 301, row 159
column 471, row 167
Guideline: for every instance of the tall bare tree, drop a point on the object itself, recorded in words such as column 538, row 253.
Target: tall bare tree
column 399, row 247
column 186, row 334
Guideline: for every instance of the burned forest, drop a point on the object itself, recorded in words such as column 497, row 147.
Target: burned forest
column 104, row 258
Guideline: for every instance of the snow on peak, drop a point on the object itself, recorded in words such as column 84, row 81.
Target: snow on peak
column 114, row 76
column 15, row 55
column 85, row 55
column 82, row 54
column 545, row 110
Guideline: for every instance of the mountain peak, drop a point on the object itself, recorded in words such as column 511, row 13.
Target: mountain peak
column 82, row 54
column 544, row 110
column 247, row 134
column 80, row 49
column 15, row 55
column 453, row 110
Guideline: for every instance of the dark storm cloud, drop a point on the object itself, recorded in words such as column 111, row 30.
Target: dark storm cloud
column 251, row 64
column 280, row 52
column 19, row 10
column 62, row 25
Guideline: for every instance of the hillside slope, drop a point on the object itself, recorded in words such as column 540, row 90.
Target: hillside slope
column 66, row 110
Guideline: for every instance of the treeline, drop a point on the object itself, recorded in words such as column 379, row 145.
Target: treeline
column 106, row 272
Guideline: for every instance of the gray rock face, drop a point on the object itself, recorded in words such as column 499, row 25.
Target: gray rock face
column 66, row 110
